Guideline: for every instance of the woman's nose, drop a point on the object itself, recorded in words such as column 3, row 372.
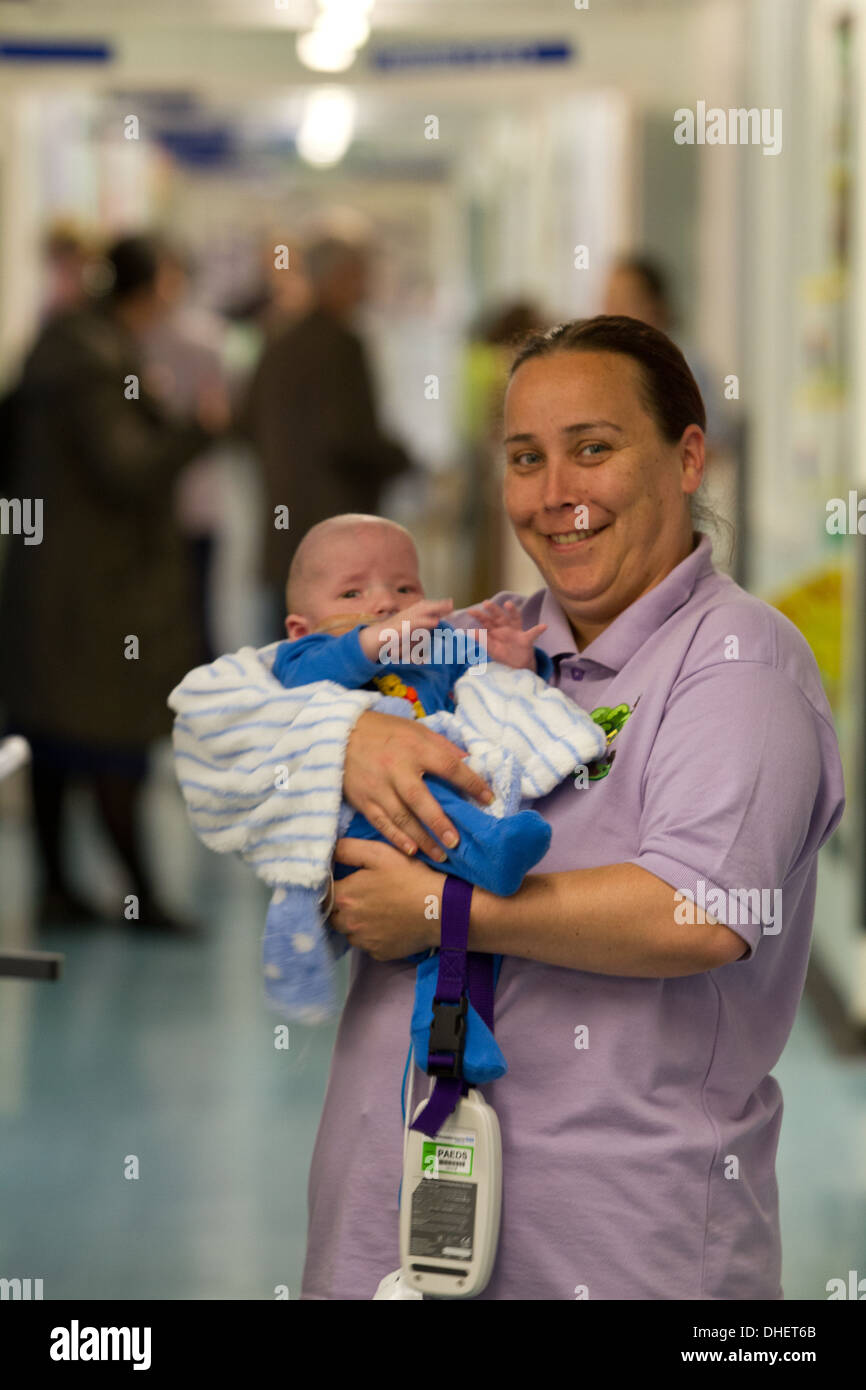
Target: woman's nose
column 559, row 486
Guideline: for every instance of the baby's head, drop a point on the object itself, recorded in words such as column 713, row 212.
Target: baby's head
column 350, row 567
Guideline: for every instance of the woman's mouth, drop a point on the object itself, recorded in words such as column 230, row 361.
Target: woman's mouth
column 565, row 540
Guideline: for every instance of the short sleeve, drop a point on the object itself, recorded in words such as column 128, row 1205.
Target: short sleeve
column 734, row 794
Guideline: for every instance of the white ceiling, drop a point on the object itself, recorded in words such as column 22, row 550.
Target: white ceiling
column 428, row 17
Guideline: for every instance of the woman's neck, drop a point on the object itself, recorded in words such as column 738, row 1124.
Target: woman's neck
column 586, row 632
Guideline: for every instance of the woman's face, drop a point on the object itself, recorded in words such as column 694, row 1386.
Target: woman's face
column 596, row 496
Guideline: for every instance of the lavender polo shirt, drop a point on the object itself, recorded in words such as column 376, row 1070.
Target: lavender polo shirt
column 639, row 1119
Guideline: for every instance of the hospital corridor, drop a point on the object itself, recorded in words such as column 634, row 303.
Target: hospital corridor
column 415, row 416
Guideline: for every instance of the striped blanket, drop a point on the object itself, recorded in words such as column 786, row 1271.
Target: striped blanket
column 261, row 767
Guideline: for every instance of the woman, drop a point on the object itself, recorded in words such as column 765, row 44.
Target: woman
column 638, row 1116
column 96, row 620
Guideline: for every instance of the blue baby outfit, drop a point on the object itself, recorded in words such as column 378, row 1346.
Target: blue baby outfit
column 261, row 769
column 493, row 853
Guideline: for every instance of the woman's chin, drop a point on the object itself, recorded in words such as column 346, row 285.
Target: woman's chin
column 580, row 575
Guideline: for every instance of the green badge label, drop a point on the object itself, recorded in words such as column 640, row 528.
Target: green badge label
column 441, row 1156
column 611, row 720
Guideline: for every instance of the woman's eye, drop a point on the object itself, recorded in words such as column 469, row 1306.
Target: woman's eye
column 528, row 457
column 596, row 445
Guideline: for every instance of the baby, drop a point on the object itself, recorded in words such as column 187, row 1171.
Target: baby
column 352, row 586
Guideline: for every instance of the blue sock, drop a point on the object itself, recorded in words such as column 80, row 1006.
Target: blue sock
column 298, row 962
column 495, row 854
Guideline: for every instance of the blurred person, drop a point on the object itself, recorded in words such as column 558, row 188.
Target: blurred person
column 311, row 414
column 184, row 353
column 108, row 573
column 67, row 258
column 485, row 371
column 67, row 253
column 280, row 294
column 638, row 287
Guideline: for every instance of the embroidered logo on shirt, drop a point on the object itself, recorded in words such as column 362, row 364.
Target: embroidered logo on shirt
column 611, row 720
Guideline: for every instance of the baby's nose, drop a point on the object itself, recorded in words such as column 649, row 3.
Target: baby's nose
column 385, row 604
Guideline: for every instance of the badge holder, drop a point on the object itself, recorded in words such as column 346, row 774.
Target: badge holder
column 451, row 1194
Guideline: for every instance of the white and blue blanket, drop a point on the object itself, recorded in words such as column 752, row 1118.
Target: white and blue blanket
column 261, row 767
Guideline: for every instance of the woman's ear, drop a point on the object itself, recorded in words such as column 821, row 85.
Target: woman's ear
column 693, row 457
column 296, row 627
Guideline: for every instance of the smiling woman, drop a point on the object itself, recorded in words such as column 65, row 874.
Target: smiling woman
column 615, row 1148
column 640, row 1039
column 597, row 502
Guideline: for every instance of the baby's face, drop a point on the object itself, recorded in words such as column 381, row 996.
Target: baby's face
column 370, row 574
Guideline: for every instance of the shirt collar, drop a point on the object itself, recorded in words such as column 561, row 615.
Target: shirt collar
column 629, row 630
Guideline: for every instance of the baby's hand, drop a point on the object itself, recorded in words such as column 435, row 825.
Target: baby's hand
column 424, row 614
column 506, row 639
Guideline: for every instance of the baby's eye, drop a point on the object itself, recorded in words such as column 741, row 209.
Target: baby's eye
column 408, row 588
column 349, row 593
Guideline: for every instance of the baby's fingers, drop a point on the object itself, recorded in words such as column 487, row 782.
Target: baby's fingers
column 496, row 616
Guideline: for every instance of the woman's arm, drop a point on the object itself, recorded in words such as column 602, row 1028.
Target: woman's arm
column 733, row 796
column 617, row 920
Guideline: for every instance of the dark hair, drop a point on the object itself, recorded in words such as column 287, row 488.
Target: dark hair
column 670, row 392
column 134, row 261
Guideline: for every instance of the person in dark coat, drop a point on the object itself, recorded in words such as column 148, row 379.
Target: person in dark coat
column 311, row 416
column 96, row 622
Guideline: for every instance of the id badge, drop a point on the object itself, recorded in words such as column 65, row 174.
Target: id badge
column 451, row 1200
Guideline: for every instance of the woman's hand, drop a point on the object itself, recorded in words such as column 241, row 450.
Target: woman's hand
column 386, row 758
column 391, row 907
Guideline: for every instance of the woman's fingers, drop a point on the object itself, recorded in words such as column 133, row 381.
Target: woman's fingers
column 444, row 759
column 363, row 854
column 386, row 760
column 402, row 830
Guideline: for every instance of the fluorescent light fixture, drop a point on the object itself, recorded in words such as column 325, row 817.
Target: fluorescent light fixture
column 345, row 30
column 339, row 30
column 319, row 50
column 327, row 126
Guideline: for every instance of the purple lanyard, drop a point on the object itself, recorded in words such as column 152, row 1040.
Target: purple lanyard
column 463, row 975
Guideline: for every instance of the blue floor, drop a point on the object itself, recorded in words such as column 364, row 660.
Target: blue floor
column 162, row 1053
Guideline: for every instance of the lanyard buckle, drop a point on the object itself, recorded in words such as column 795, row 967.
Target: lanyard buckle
column 447, row 1035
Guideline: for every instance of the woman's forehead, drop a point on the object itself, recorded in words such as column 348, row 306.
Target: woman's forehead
column 582, row 385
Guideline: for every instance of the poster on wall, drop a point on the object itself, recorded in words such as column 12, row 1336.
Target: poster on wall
column 823, row 601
